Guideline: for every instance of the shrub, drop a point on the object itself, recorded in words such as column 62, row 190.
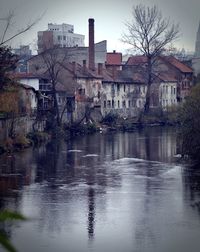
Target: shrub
column 21, row 141
column 190, row 124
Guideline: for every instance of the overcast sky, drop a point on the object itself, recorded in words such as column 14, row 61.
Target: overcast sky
column 109, row 16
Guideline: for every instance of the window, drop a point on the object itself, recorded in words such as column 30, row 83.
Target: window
column 109, row 104
column 118, row 104
column 104, row 104
column 59, row 99
column 59, row 37
column 81, row 91
column 113, row 104
column 64, row 37
column 129, row 103
column 118, row 87
column 124, row 104
column 124, row 88
column 112, row 89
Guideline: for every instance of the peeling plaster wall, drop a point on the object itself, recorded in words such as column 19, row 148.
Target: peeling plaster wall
column 125, row 99
column 87, row 96
column 168, row 94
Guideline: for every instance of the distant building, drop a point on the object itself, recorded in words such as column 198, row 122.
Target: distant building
column 24, row 53
column 168, row 70
column 114, row 59
column 196, row 59
column 59, row 35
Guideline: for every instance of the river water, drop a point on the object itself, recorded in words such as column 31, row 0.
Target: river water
column 122, row 192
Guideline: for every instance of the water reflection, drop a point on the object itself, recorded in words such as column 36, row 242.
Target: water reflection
column 91, row 212
column 111, row 192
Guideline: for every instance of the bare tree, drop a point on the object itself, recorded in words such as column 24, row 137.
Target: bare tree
column 53, row 60
column 150, row 34
column 8, row 21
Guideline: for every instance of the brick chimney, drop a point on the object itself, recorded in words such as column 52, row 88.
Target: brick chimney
column 91, row 45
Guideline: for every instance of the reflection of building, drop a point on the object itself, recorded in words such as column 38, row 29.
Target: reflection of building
column 59, row 35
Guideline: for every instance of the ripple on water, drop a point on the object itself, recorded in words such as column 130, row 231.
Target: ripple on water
column 74, row 150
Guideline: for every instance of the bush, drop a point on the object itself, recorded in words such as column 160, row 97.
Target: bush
column 190, row 124
column 20, row 141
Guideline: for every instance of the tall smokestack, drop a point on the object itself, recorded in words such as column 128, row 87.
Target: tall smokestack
column 91, row 44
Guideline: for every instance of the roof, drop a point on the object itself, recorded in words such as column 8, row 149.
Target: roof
column 25, row 86
column 114, row 58
column 141, row 59
column 166, row 77
column 137, row 59
column 178, row 64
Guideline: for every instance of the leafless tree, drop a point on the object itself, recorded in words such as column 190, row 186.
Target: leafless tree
column 8, row 21
column 150, row 34
column 53, row 60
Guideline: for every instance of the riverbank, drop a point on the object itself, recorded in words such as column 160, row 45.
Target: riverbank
column 20, row 142
column 110, row 122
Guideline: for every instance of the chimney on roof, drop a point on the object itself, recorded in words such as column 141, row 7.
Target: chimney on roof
column 114, row 51
column 100, row 68
column 91, row 45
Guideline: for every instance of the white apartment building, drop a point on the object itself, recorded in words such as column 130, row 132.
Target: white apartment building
column 59, row 34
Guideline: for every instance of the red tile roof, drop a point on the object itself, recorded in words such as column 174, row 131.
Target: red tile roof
column 178, row 64
column 140, row 59
column 135, row 60
column 166, row 77
column 114, row 58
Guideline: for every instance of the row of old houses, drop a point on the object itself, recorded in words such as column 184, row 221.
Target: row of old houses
column 94, row 89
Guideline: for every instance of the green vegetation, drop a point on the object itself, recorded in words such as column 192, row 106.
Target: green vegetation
column 8, row 216
column 190, row 124
column 160, row 117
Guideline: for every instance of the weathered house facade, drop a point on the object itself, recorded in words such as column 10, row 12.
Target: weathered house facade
column 172, row 80
column 123, row 93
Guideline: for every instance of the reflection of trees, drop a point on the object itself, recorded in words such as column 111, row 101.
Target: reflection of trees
column 191, row 179
column 13, row 175
column 91, row 212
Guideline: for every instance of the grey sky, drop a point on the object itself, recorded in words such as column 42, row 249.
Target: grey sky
column 109, row 16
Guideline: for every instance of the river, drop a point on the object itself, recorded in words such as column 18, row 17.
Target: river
column 112, row 192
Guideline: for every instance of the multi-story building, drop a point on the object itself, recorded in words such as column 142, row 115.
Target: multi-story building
column 59, row 35
column 24, row 53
